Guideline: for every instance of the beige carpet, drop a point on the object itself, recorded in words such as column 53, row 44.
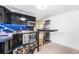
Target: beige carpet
column 53, row 48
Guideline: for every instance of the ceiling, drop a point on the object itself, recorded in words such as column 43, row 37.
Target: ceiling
column 51, row 10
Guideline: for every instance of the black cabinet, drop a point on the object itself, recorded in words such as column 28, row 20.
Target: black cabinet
column 8, row 16
column 2, row 47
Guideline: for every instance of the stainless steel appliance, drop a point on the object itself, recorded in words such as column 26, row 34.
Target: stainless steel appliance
column 5, row 44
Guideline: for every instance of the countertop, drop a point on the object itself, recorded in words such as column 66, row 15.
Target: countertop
column 4, row 37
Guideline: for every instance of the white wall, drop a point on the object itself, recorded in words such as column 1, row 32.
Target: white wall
column 68, row 26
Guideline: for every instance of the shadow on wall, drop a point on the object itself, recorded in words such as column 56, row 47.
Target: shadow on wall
column 60, row 37
column 67, row 40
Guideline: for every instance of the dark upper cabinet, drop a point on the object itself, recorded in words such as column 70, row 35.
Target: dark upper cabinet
column 4, row 15
column 7, row 16
column 1, row 15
